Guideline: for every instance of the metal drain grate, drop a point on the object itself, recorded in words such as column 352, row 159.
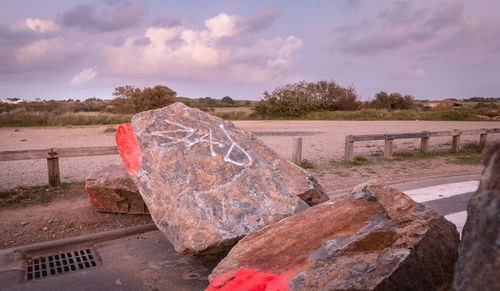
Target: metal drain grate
column 41, row 267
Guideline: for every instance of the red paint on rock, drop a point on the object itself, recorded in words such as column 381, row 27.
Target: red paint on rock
column 246, row 279
column 128, row 147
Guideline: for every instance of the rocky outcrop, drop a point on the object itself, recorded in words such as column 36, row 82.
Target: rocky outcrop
column 376, row 239
column 111, row 190
column 478, row 265
column 207, row 183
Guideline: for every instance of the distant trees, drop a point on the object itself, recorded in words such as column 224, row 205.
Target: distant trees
column 300, row 98
column 209, row 102
column 226, row 100
column 392, row 101
column 133, row 100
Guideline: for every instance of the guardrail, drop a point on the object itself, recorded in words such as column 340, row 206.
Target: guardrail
column 53, row 154
column 424, row 136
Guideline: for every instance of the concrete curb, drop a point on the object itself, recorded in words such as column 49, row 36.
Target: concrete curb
column 394, row 182
column 8, row 256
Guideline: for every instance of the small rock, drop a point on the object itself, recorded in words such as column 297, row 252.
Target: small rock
column 50, row 221
column 111, row 190
column 24, row 223
column 358, row 188
column 45, row 228
column 118, row 282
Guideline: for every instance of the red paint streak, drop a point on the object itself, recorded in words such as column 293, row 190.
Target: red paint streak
column 246, row 279
column 128, row 147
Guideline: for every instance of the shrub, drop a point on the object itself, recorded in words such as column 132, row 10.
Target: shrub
column 133, row 100
column 300, row 98
column 392, row 101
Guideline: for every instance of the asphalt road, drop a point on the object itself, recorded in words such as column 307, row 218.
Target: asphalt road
column 148, row 261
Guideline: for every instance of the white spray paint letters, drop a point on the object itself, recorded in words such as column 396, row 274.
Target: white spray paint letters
column 188, row 136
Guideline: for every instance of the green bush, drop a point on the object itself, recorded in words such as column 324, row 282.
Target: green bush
column 298, row 99
column 134, row 100
column 392, row 101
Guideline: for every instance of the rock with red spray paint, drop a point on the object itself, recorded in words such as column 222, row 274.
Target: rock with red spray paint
column 111, row 189
column 376, row 239
column 207, row 183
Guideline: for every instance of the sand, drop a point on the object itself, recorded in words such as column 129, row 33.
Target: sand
column 322, row 141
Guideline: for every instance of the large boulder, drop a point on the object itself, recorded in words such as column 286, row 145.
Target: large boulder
column 478, row 265
column 110, row 189
column 207, row 183
column 376, row 239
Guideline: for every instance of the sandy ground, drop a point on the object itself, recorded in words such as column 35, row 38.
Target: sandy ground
column 68, row 212
column 322, row 141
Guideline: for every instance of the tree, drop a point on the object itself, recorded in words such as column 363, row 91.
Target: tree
column 226, row 100
column 392, row 101
column 133, row 100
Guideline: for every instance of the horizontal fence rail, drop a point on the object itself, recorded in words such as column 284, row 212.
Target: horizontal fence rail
column 53, row 154
column 424, row 136
column 59, row 152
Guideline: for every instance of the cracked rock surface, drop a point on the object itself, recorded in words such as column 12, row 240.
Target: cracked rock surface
column 207, row 183
column 110, row 189
column 478, row 265
column 375, row 239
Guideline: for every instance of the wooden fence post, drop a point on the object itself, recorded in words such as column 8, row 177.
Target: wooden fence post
column 455, row 141
column 483, row 137
column 388, row 148
column 297, row 150
column 53, row 169
column 349, row 148
column 424, row 144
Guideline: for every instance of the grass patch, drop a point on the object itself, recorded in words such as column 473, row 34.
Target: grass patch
column 36, row 195
column 469, row 159
column 110, row 129
column 37, row 118
column 307, row 165
column 357, row 161
column 370, row 171
column 342, row 174
column 470, row 154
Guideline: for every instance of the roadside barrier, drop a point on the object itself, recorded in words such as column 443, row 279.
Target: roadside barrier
column 424, row 142
column 53, row 154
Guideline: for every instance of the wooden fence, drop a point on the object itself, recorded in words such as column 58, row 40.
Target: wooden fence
column 424, row 136
column 53, row 154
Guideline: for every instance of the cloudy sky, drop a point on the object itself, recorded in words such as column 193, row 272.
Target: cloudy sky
column 432, row 49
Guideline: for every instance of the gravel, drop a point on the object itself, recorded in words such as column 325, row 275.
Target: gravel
column 322, row 140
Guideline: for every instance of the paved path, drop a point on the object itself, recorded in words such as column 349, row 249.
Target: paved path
column 148, row 261
column 449, row 199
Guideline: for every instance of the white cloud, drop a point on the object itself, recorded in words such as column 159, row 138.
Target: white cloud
column 84, row 76
column 50, row 53
column 41, row 25
column 222, row 25
column 37, row 50
column 226, row 49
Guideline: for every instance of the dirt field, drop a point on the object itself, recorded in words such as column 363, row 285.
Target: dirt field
column 323, row 141
column 66, row 212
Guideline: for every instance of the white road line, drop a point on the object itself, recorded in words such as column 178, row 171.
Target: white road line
column 458, row 219
column 442, row 191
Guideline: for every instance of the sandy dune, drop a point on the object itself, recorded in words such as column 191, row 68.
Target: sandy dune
column 323, row 140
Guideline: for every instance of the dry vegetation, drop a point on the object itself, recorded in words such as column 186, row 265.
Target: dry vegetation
column 323, row 100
